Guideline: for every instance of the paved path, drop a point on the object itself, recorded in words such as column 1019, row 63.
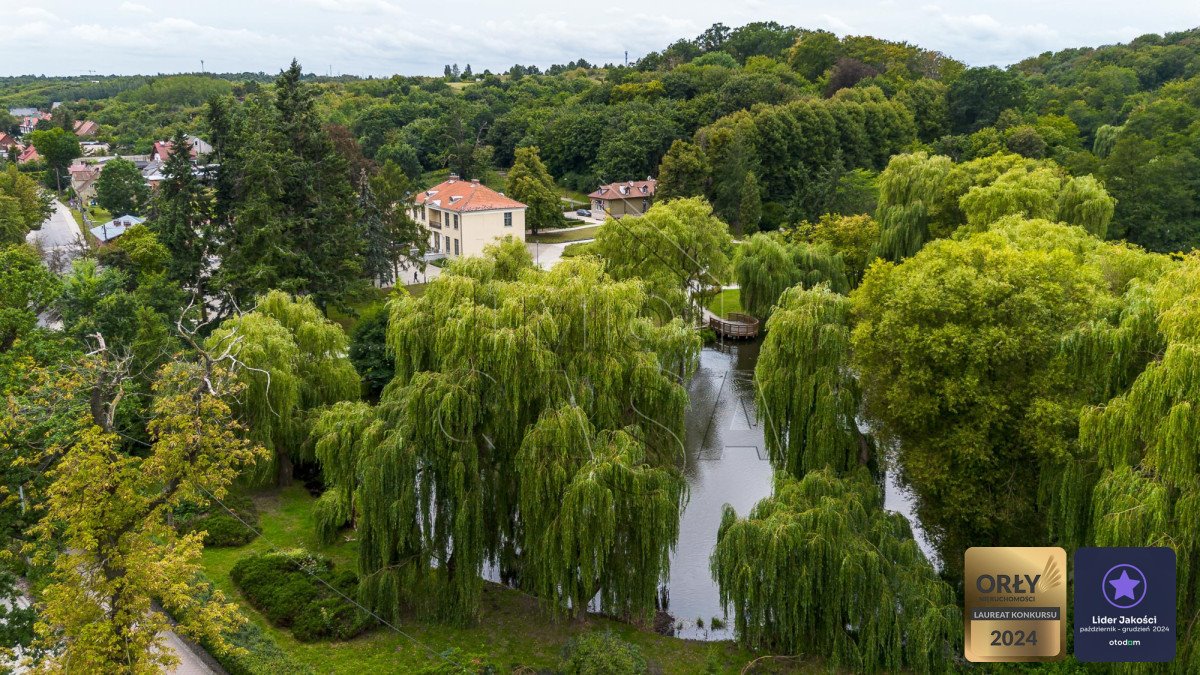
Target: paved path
column 59, row 238
column 547, row 255
column 58, row 231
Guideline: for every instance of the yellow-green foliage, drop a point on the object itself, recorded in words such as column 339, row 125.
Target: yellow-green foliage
column 766, row 265
column 960, row 353
column 296, row 360
column 1145, row 444
column 923, row 198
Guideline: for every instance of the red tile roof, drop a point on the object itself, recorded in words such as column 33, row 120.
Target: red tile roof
column 86, row 128
column 460, row 195
column 627, row 190
column 6, row 141
column 30, row 154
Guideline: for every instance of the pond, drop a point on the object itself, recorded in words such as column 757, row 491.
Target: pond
column 726, row 463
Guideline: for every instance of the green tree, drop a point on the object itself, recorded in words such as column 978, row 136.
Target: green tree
column 766, row 265
column 287, row 212
column 679, row 249
column 58, row 148
column 684, row 172
column 294, row 362
column 805, row 395
column 534, row 359
column 27, row 289
column 959, row 350
column 750, row 208
column 180, row 217
column 814, row 53
column 978, row 96
column 121, row 189
column 529, row 182
column 820, row 565
column 33, row 205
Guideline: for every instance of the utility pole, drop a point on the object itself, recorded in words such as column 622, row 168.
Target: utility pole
column 626, row 58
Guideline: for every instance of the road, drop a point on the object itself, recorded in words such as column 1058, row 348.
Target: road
column 58, row 235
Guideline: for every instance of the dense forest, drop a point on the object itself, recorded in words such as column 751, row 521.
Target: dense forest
column 960, row 270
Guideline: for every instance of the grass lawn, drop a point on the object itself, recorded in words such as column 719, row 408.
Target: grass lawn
column 556, row 237
column 512, row 632
column 729, row 300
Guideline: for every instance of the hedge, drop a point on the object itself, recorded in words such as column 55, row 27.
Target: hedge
column 287, row 588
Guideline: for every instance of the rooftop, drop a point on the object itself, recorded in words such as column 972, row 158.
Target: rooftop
column 455, row 194
column 627, row 190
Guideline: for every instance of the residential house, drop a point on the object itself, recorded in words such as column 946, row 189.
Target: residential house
column 83, row 180
column 162, row 149
column 29, row 122
column 115, row 228
column 463, row 216
column 29, row 154
column 6, row 142
column 631, row 198
column 153, row 173
column 86, row 128
column 22, row 112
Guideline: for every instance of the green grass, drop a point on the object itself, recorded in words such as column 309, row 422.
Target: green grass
column 512, row 631
column 556, row 237
column 729, row 300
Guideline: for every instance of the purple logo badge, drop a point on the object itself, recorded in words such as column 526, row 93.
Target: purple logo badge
column 1124, row 586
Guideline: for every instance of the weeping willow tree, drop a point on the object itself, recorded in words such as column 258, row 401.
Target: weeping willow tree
column 616, row 522
column 908, row 200
column 295, row 361
column 923, row 198
column 766, row 265
column 1138, row 484
column 269, row 403
column 820, row 567
column 806, row 395
column 327, row 373
column 489, row 357
column 342, row 434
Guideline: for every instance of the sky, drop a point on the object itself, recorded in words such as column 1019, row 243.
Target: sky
column 385, row 37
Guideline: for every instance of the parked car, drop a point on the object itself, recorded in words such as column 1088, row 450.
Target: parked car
column 583, row 212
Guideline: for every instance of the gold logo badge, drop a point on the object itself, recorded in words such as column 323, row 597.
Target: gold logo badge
column 1015, row 604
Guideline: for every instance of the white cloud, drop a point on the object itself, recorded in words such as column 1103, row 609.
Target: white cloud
column 134, row 8
column 36, row 13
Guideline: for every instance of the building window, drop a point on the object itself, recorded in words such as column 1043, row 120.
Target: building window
column 508, row 218
column 455, row 247
column 447, row 244
column 456, row 221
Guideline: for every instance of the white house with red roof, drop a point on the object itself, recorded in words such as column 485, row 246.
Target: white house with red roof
column 631, row 198
column 464, row 216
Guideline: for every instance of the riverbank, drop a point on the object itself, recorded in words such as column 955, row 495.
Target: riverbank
column 513, row 632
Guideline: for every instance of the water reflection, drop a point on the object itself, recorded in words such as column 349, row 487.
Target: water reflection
column 726, row 463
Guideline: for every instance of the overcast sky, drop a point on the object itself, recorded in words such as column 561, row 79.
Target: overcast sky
column 382, row 37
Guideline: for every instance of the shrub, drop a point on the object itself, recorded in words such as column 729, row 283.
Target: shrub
column 254, row 651
column 220, row 528
column 287, row 588
column 601, row 654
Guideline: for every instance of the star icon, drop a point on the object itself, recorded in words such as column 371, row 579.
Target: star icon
column 1124, row 586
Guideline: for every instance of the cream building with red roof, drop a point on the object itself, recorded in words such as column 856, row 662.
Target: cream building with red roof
column 464, row 216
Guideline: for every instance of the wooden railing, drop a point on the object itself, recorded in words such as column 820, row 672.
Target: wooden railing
column 735, row 325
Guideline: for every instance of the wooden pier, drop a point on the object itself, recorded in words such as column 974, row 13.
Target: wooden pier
column 734, row 326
